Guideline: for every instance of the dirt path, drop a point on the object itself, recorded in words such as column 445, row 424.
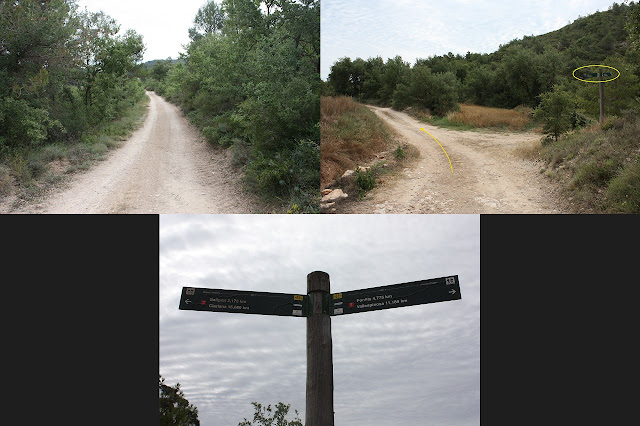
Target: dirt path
column 487, row 176
column 164, row 167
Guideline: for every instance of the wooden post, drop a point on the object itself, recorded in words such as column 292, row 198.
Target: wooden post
column 601, row 84
column 319, row 407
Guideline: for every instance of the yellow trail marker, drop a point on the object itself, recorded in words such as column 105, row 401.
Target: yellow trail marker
column 445, row 152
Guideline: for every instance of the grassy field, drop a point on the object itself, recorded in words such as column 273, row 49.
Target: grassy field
column 351, row 135
column 471, row 117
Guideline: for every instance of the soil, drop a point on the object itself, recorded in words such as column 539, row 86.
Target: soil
column 489, row 176
column 165, row 167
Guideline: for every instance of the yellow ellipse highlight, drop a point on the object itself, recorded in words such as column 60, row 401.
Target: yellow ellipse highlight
column 445, row 152
column 595, row 81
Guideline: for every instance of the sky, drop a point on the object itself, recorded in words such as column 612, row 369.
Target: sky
column 421, row 28
column 163, row 24
column 409, row 365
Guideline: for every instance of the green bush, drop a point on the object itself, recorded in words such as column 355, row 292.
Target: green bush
column 271, row 176
column 365, row 180
column 22, row 125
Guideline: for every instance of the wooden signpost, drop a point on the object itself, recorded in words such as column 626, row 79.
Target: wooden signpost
column 601, row 90
column 318, row 305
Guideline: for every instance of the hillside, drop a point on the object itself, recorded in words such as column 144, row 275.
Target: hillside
column 588, row 38
column 595, row 164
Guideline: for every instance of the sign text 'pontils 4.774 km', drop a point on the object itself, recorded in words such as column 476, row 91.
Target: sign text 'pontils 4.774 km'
column 245, row 302
column 395, row 296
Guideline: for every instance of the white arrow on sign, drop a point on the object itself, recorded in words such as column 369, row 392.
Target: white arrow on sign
column 452, row 291
column 187, row 301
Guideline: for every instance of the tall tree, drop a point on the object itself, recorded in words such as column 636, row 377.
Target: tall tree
column 209, row 19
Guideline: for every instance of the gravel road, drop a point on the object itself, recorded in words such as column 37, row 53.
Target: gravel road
column 165, row 167
column 488, row 177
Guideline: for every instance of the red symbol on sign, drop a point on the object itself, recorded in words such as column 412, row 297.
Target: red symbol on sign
column 351, row 304
column 203, row 302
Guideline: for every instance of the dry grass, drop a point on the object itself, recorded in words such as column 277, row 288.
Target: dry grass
column 351, row 134
column 479, row 116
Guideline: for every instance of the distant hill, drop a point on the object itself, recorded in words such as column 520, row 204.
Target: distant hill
column 593, row 37
column 150, row 64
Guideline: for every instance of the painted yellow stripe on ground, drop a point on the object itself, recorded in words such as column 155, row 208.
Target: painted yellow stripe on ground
column 445, row 152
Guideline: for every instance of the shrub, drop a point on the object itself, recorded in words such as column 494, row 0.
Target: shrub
column 365, row 180
column 623, row 193
column 399, row 153
column 555, row 111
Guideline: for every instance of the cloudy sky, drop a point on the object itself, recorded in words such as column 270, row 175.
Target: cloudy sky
column 422, row 28
column 164, row 24
column 410, row 365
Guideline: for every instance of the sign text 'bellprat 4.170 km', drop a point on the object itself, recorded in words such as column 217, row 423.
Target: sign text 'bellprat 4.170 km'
column 244, row 302
column 395, row 296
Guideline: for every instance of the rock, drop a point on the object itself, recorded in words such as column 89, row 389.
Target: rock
column 334, row 195
column 347, row 174
column 326, row 191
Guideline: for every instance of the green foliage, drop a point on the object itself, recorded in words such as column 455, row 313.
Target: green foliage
column 175, row 410
column 420, row 87
column 365, row 180
column 250, row 81
column 633, row 26
column 266, row 416
column 62, row 72
column 399, row 153
column 623, row 192
column 209, row 19
column 22, row 125
column 518, row 73
column 601, row 168
column 556, row 111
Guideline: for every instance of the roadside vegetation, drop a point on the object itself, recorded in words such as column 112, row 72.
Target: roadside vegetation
column 250, row 81
column 528, row 84
column 354, row 137
column 68, row 91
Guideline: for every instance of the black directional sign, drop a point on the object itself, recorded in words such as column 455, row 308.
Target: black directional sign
column 395, row 296
column 245, row 302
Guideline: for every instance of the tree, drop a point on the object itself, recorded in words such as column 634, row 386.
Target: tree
column 420, row 87
column 209, row 19
column 175, row 410
column 266, row 417
column 340, row 76
column 555, row 111
column 633, row 26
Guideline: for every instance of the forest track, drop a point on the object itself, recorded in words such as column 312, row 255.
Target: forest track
column 165, row 167
column 488, row 175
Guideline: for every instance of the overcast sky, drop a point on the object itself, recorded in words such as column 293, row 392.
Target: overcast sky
column 422, row 28
column 410, row 365
column 164, row 24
